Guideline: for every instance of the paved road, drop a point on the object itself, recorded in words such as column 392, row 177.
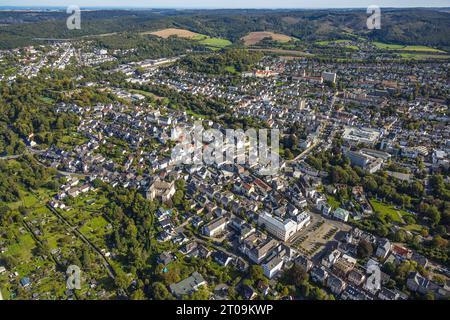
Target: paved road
column 304, row 153
column 15, row 156
column 10, row 157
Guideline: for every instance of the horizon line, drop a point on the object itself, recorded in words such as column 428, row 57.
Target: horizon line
column 215, row 8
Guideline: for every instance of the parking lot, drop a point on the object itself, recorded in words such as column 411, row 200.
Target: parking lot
column 313, row 238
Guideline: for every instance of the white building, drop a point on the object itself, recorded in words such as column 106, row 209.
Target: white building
column 303, row 220
column 215, row 227
column 273, row 266
column 355, row 135
column 281, row 229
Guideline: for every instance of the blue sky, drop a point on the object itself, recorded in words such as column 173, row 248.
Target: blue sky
column 231, row 3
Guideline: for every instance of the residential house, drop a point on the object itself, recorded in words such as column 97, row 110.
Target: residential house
column 356, row 277
column 188, row 285
column 319, row 275
column 222, row 258
column 303, row 262
column 215, row 227
column 420, row 284
column 336, row 284
column 161, row 190
column 248, row 292
column 383, row 249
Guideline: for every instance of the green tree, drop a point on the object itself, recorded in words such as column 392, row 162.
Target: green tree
column 160, row 292
column 296, row 275
column 256, row 272
column 364, row 249
column 138, row 295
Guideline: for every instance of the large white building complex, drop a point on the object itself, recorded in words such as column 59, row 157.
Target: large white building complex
column 283, row 229
column 355, row 135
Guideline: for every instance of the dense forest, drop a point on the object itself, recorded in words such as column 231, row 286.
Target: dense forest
column 146, row 46
column 229, row 61
column 407, row 26
column 27, row 108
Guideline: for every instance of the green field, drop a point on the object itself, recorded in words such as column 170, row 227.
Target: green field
column 332, row 42
column 231, row 69
column 388, row 210
column 422, row 56
column 22, row 249
column 400, row 47
column 422, row 48
column 200, row 37
column 144, row 93
column 381, row 45
column 413, row 227
column 150, row 95
column 215, row 42
column 328, row 42
column 69, row 141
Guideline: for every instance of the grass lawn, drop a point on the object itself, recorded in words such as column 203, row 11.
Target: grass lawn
column 329, row 42
column 215, row 42
column 230, row 69
column 29, row 200
column 93, row 224
column 381, row 45
column 352, row 36
column 387, row 46
column 413, row 227
column 26, row 199
column 150, row 95
column 144, row 93
column 196, row 115
column 73, row 139
column 422, row 48
column 333, row 202
column 199, row 37
column 22, row 249
column 388, row 210
column 422, row 56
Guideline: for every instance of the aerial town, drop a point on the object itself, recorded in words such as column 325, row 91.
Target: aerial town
column 358, row 208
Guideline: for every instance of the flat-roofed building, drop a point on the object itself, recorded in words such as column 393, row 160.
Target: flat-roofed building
column 273, row 266
column 355, row 135
column 279, row 228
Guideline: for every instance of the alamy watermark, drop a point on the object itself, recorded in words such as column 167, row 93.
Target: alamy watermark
column 73, row 277
column 374, row 20
column 373, row 282
column 73, row 22
column 196, row 146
